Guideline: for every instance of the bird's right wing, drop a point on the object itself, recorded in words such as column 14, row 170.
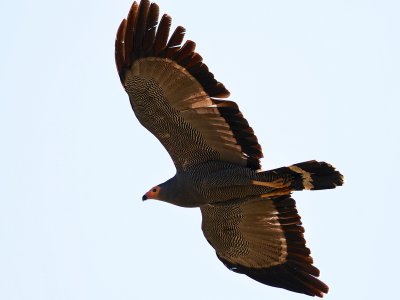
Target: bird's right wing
column 174, row 95
column 263, row 239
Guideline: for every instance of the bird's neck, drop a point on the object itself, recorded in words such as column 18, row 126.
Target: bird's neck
column 179, row 191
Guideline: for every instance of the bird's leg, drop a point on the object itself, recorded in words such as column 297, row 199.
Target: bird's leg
column 276, row 184
column 280, row 192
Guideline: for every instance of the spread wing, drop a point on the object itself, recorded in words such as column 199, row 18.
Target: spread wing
column 176, row 97
column 264, row 240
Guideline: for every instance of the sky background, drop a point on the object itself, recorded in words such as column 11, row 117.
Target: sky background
column 316, row 80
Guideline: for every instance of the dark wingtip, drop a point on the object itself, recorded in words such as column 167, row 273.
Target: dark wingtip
column 284, row 276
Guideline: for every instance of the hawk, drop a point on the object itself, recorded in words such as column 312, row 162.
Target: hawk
column 248, row 215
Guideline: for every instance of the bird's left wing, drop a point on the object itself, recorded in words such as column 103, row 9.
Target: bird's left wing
column 263, row 238
column 174, row 95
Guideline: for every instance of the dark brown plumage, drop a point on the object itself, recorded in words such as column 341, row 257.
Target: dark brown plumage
column 249, row 216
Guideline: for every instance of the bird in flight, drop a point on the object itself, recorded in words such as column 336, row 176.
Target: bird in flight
column 248, row 215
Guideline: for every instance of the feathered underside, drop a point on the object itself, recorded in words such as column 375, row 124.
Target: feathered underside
column 263, row 239
column 176, row 97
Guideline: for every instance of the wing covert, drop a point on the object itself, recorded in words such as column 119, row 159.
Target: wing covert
column 264, row 240
column 169, row 83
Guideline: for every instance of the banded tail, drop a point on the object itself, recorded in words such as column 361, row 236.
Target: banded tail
column 309, row 175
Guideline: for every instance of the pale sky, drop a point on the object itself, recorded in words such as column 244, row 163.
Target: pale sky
column 315, row 79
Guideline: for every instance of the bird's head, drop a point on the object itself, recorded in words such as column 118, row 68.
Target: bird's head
column 153, row 193
column 167, row 192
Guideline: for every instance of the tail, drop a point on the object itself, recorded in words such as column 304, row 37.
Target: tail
column 309, row 175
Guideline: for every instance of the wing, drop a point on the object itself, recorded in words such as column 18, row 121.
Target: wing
column 176, row 97
column 264, row 240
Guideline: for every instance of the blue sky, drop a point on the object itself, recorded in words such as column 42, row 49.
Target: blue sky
column 315, row 79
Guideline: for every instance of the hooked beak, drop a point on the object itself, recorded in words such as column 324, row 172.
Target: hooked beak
column 144, row 198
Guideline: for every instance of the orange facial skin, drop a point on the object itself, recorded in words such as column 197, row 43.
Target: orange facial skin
column 152, row 193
